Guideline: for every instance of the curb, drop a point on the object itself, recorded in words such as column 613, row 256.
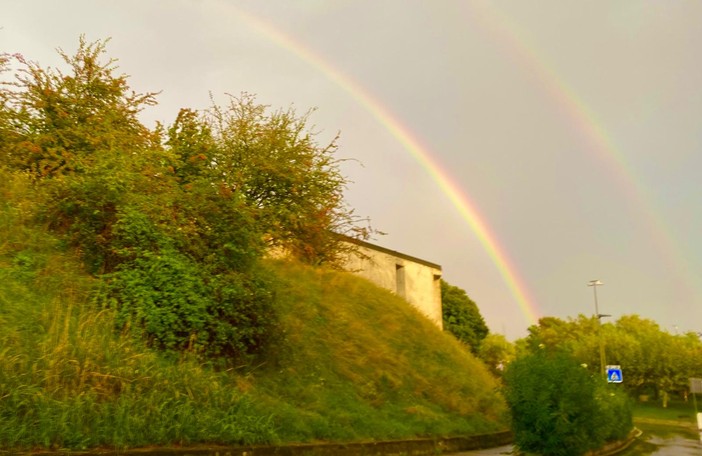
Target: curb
column 416, row 447
column 618, row 446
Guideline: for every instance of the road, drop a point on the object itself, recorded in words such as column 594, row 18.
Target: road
column 672, row 443
column 656, row 442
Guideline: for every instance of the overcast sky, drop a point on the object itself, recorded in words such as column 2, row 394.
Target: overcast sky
column 572, row 129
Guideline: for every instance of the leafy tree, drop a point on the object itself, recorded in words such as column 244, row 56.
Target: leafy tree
column 294, row 184
column 63, row 119
column 177, row 260
column 7, row 133
column 661, row 363
column 559, row 408
column 496, row 352
column 174, row 222
column 654, row 362
column 461, row 316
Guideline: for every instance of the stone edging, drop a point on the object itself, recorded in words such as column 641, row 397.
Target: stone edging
column 618, row 446
column 417, row 447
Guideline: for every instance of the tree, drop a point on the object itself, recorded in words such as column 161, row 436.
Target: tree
column 461, row 316
column 292, row 185
column 496, row 352
column 662, row 363
column 61, row 120
column 177, row 260
column 654, row 362
column 174, row 227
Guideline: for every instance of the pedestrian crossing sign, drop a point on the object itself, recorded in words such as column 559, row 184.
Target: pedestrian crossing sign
column 614, row 374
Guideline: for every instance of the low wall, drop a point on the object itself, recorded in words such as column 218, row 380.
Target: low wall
column 416, row 447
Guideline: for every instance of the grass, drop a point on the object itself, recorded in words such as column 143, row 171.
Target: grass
column 678, row 413
column 351, row 362
column 365, row 364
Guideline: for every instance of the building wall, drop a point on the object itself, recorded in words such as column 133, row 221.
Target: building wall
column 413, row 279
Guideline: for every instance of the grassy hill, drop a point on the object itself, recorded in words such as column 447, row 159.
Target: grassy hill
column 349, row 362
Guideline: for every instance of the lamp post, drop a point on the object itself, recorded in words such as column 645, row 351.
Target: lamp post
column 594, row 284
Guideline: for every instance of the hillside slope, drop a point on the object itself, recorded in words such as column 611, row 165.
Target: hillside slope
column 361, row 363
column 349, row 362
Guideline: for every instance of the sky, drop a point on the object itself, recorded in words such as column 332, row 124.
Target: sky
column 526, row 147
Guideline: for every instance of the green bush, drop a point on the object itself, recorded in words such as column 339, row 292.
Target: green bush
column 461, row 316
column 615, row 411
column 559, row 408
column 176, row 305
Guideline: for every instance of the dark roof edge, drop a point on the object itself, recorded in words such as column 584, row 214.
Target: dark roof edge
column 391, row 252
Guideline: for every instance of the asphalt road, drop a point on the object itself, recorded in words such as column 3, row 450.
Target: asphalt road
column 677, row 442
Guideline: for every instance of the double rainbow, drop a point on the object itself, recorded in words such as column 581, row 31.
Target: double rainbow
column 421, row 153
column 504, row 32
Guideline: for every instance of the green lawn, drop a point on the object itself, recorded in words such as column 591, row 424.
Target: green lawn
column 677, row 413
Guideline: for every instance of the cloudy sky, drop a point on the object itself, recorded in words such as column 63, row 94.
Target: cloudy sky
column 527, row 147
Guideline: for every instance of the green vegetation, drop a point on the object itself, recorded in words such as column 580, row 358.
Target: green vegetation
column 349, row 362
column 559, row 408
column 677, row 412
column 137, row 305
column 655, row 364
column 371, row 365
column 174, row 223
column 496, row 352
column 674, row 424
column 560, row 401
column 461, row 316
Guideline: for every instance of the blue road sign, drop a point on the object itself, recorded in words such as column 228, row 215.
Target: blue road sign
column 614, row 374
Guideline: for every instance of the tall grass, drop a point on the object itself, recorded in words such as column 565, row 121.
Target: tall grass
column 68, row 380
column 351, row 362
column 362, row 363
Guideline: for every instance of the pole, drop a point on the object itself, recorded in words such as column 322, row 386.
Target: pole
column 698, row 415
column 594, row 284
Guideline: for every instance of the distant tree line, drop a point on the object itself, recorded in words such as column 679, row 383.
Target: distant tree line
column 462, row 318
column 655, row 363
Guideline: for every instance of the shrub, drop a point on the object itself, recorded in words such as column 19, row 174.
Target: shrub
column 559, row 408
column 177, row 306
column 178, row 301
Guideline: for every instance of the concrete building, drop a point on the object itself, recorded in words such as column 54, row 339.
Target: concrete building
column 416, row 280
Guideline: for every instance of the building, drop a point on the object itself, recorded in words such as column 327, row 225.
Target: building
column 416, row 280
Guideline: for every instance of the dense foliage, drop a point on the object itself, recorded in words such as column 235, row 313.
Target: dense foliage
column 559, row 408
column 110, row 229
column 69, row 382
column 497, row 352
column 655, row 363
column 173, row 220
column 461, row 316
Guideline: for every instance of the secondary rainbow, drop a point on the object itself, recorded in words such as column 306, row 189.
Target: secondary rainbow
column 506, row 32
column 421, row 153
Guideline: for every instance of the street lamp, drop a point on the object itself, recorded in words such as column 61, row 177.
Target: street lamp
column 594, row 284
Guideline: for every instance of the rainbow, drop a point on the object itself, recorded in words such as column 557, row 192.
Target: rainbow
column 421, row 153
column 577, row 113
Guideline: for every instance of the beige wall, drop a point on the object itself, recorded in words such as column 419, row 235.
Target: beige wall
column 416, row 280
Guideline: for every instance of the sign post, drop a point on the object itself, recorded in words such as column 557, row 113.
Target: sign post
column 696, row 387
column 614, row 374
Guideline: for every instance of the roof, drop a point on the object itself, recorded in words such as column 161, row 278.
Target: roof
column 395, row 253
